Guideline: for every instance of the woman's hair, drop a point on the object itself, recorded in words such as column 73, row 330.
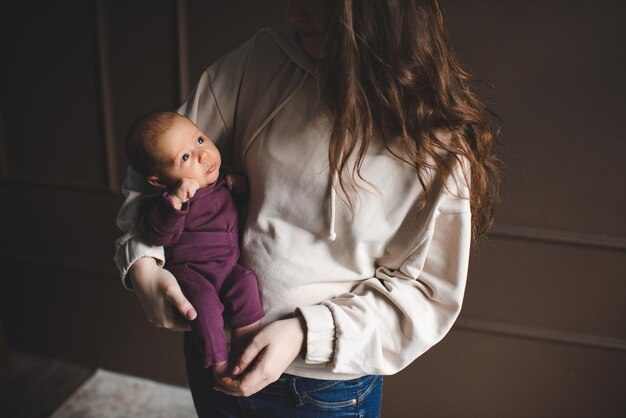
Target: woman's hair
column 141, row 139
column 389, row 72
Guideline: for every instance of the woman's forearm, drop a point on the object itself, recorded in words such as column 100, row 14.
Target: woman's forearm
column 142, row 269
column 160, row 295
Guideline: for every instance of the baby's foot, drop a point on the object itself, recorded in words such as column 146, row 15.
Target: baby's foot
column 219, row 369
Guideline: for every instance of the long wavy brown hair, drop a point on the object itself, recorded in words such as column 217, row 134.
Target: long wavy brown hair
column 389, row 72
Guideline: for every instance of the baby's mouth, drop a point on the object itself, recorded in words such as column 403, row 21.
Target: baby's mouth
column 211, row 168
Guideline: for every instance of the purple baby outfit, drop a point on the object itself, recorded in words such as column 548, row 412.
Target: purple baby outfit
column 201, row 249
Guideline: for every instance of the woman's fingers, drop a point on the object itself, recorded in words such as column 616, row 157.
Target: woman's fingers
column 161, row 297
column 235, row 182
column 249, row 354
column 225, row 390
column 175, row 322
column 267, row 356
column 262, row 371
column 258, row 378
column 176, row 298
column 175, row 301
column 229, row 181
column 228, row 386
column 250, row 384
column 250, row 370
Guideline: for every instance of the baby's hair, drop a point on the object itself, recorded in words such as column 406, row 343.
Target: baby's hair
column 141, row 138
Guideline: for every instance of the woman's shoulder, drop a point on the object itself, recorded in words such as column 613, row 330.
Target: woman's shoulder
column 263, row 56
column 274, row 46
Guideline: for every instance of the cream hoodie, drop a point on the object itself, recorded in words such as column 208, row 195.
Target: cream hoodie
column 390, row 285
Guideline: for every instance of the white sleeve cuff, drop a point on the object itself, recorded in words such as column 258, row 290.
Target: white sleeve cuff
column 131, row 251
column 320, row 337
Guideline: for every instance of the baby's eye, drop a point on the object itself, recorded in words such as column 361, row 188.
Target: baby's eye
column 185, row 157
column 200, row 141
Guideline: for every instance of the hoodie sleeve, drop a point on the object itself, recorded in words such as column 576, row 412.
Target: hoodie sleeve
column 212, row 106
column 408, row 306
column 132, row 245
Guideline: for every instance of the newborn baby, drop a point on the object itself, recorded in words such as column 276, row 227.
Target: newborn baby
column 195, row 219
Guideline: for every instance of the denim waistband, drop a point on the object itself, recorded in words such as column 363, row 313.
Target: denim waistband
column 298, row 387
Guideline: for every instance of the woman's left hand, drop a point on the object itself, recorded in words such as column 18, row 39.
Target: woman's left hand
column 267, row 356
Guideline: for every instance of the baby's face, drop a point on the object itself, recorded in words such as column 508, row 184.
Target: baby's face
column 186, row 152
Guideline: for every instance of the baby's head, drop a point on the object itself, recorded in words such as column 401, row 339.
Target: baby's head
column 166, row 147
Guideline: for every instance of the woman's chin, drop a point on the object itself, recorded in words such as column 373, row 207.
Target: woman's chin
column 313, row 48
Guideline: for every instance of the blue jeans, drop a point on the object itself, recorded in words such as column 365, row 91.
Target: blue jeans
column 289, row 396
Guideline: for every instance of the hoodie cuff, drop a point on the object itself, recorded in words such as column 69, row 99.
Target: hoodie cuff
column 132, row 251
column 320, row 337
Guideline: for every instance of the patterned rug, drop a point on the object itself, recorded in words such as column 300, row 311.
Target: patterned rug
column 113, row 395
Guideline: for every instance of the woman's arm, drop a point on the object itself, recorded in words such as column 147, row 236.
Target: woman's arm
column 140, row 265
column 132, row 246
column 160, row 296
column 413, row 299
column 386, row 321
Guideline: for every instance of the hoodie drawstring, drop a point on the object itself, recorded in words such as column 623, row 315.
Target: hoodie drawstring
column 333, row 197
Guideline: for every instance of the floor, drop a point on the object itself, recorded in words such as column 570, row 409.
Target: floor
column 34, row 387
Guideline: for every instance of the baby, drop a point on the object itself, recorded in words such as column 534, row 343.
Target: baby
column 195, row 219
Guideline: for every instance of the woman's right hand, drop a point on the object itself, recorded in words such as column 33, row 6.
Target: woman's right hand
column 160, row 296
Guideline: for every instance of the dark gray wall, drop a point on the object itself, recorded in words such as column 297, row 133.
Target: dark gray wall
column 543, row 328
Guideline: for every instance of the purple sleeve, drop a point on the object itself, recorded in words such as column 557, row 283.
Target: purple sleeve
column 162, row 223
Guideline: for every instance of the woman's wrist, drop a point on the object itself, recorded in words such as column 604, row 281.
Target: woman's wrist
column 142, row 268
column 300, row 318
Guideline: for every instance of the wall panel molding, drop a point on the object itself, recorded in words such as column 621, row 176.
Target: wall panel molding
column 106, row 105
column 59, row 64
column 3, row 153
column 539, row 333
column 555, row 236
column 182, row 45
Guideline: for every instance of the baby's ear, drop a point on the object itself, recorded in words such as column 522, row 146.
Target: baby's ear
column 154, row 180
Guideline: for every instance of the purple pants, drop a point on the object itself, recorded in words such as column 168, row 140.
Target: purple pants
column 207, row 283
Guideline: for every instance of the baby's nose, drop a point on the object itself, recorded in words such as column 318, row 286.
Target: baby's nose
column 203, row 156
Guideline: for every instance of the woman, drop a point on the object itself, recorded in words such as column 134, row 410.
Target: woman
column 358, row 135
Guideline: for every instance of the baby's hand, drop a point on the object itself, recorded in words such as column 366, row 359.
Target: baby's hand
column 183, row 191
column 236, row 182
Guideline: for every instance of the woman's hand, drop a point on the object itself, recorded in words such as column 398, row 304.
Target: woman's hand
column 267, row 356
column 160, row 296
column 236, row 182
